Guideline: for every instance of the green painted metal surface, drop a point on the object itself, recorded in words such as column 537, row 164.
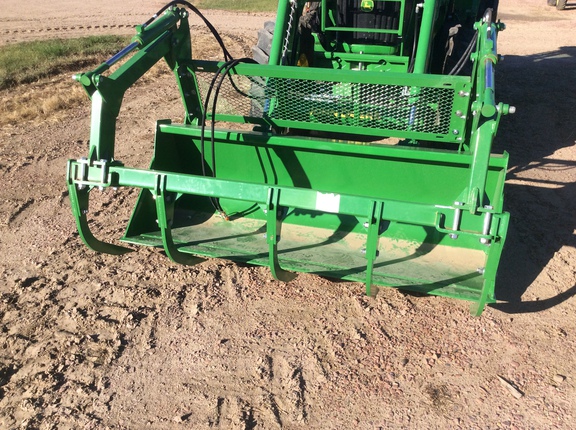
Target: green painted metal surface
column 382, row 177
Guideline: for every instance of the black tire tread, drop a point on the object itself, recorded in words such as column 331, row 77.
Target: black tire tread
column 261, row 52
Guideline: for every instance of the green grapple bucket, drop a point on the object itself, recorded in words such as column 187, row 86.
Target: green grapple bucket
column 385, row 178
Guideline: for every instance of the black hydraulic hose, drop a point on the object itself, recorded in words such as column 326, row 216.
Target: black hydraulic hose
column 221, row 74
column 465, row 57
column 225, row 73
column 215, row 203
column 417, row 23
column 229, row 64
column 194, row 9
column 489, row 15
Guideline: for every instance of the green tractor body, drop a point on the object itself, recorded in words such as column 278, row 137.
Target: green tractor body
column 359, row 150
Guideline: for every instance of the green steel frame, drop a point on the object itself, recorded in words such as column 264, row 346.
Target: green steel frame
column 410, row 216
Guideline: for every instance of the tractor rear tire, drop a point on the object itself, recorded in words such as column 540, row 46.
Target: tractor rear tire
column 561, row 4
column 261, row 52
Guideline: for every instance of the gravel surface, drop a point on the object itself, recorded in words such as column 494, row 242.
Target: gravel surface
column 96, row 341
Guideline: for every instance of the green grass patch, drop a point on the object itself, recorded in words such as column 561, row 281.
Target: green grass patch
column 29, row 61
column 239, row 5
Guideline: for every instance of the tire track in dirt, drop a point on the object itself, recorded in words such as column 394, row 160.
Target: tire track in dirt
column 18, row 209
column 62, row 24
column 65, row 29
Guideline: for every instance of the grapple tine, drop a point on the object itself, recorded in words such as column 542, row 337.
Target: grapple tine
column 165, row 212
column 273, row 236
column 79, row 201
column 373, row 224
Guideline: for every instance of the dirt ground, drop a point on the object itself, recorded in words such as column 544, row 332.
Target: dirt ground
column 92, row 341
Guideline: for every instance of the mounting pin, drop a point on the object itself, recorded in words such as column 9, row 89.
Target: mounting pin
column 486, row 226
column 457, row 218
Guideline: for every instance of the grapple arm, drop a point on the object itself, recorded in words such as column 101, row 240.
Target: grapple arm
column 163, row 38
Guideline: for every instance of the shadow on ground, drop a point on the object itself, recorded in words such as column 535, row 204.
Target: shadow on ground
column 541, row 189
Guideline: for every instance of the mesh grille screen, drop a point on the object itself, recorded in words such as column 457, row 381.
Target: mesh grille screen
column 356, row 105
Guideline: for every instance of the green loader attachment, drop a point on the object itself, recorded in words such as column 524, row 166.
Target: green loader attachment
column 355, row 145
